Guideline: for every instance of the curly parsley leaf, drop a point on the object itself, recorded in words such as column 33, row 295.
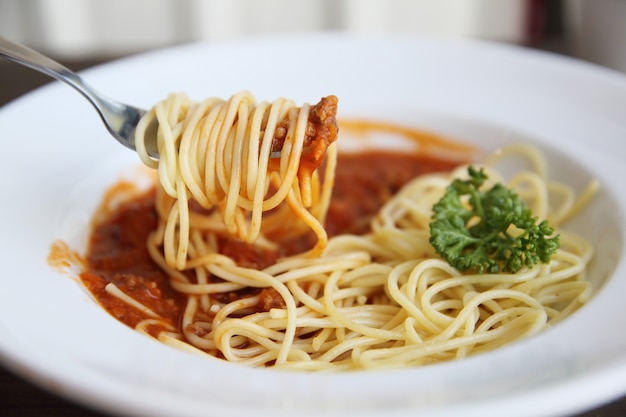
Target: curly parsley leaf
column 492, row 231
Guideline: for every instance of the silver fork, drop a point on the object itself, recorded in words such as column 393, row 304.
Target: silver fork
column 120, row 119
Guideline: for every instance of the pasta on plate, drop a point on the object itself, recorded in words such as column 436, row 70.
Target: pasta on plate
column 262, row 175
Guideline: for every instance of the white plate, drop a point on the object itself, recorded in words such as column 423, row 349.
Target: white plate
column 56, row 159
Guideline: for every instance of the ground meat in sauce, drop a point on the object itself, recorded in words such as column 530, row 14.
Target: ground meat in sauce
column 118, row 253
column 321, row 131
column 365, row 181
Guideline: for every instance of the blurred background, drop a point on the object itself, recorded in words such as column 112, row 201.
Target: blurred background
column 87, row 28
column 82, row 33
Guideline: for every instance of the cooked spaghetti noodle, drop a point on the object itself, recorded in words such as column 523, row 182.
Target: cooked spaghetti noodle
column 219, row 154
column 382, row 299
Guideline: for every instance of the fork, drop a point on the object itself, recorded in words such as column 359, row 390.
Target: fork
column 120, row 119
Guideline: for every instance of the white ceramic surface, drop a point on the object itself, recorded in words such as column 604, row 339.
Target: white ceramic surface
column 53, row 169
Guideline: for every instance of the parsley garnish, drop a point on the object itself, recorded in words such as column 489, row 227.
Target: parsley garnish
column 495, row 231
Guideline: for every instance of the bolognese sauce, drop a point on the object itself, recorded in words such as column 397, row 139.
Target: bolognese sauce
column 117, row 250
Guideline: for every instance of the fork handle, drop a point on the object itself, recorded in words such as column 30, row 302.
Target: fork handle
column 23, row 55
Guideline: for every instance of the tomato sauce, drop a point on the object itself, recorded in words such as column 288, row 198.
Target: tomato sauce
column 118, row 254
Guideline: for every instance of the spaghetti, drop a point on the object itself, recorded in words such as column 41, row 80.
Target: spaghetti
column 382, row 299
column 218, row 154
